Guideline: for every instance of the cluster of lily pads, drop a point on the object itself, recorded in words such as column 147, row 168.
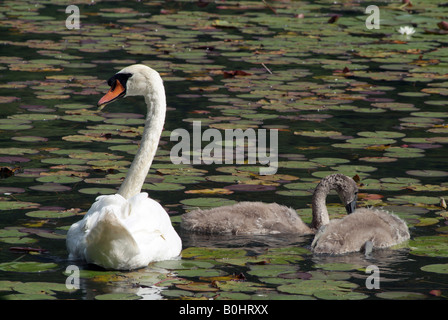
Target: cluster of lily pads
column 367, row 103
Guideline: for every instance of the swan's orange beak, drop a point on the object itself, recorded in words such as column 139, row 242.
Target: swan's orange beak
column 116, row 91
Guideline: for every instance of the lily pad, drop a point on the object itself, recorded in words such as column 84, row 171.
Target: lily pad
column 51, row 187
column 427, row 173
column 212, row 253
column 200, row 273
column 44, row 214
column 400, row 295
column 117, row 296
column 30, row 266
column 430, row 246
column 163, row 186
column 101, row 191
column 197, row 287
column 23, row 296
column 271, row 270
column 42, row 288
column 238, row 286
column 14, row 205
column 183, row 264
column 207, row 202
column 59, row 179
column 325, row 288
column 337, row 266
column 437, row 268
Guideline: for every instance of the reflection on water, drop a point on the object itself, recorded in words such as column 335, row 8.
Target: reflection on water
column 143, row 282
column 251, row 242
column 388, row 262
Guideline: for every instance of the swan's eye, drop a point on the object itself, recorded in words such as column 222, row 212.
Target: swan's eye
column 122, row 77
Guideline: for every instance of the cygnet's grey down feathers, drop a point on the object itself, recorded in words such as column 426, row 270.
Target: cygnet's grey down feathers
column 351, row 233
column 246, row 218
column 264, row 218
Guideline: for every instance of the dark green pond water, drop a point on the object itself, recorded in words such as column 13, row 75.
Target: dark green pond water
column 343, row 97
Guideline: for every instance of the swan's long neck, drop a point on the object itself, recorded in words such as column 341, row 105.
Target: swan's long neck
column 319, row 206
column 155, row 119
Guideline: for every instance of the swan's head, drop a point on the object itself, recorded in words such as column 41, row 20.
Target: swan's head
column 135, row 80
column 346, row 188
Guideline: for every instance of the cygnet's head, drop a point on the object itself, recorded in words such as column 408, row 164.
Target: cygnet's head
column 134, row 80
column 346, row 188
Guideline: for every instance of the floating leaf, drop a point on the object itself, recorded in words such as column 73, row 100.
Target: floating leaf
column 100, row 191
column 163, row 186
column 271, row 270
column 238, row 286
column 14, row 205
column 197, row 287
column 414, row 199
column 431, row 246
column 44, row 214
column 30, row 266
column 59, row 179
column 337, row 266
column 318, row 133
column 117, row 296
column 210, row 191
column 183, row 264
column 320, row 287
column 207, row 202
column 42, row 288
column 427, row 173
column 51, row 187
column 400, row 295
column 199, row 273
column 437, row 268
column 212, row 253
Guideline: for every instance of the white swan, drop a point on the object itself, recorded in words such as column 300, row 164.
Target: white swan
column 364, row 229
column 128, row 230
column 263, row 218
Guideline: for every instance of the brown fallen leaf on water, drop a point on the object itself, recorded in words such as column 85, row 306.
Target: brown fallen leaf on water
column 370, row 196
column 333, row 18
column 210, row 191
column 234, row 73
column 231, row 277
column 202, row 3
column 443, row 25
column 28, row 249
column 6, row 172
column 378, row 147
column 436, row 293
column 200, row 112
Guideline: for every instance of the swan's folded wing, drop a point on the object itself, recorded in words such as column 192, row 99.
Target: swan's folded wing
column 147, row 214
column 109, row 243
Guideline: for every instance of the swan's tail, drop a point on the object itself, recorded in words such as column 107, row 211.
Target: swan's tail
column 109, row 243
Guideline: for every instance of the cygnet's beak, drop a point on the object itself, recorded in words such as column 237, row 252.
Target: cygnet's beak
column 351, row 207
column 116, row 91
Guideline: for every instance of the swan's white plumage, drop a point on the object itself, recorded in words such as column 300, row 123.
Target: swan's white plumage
column 124, row 234
column 128, row 230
